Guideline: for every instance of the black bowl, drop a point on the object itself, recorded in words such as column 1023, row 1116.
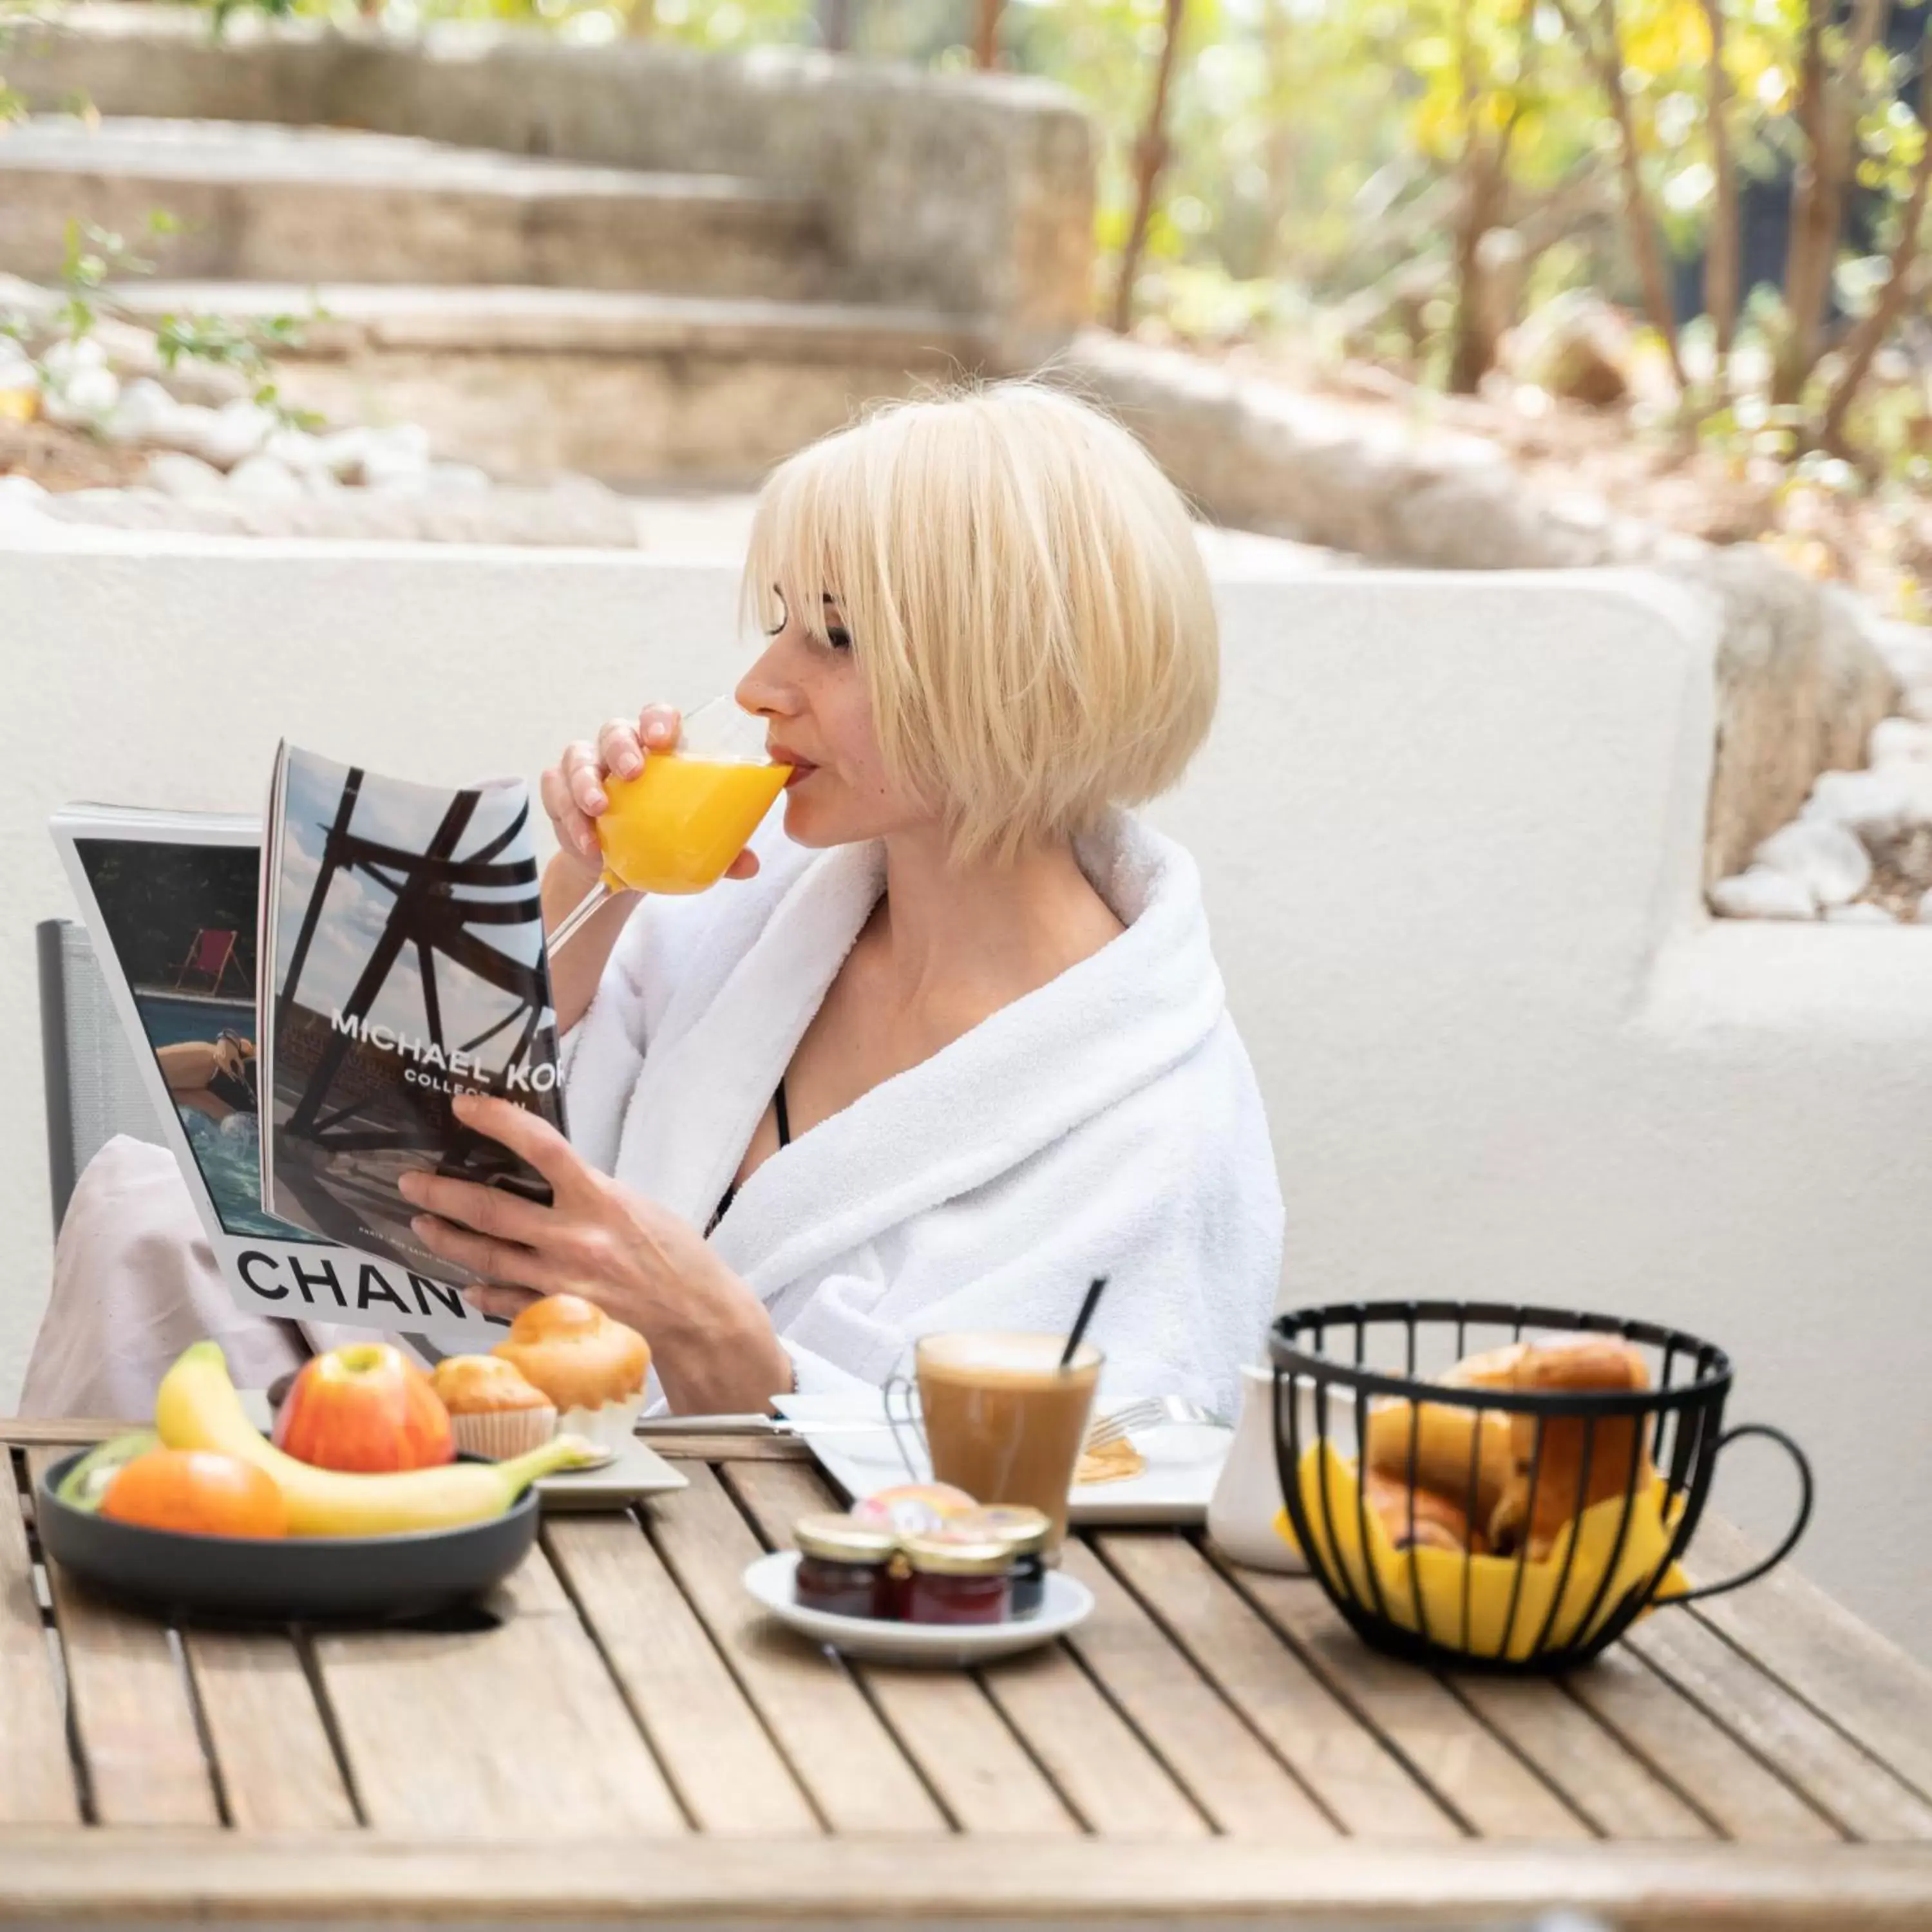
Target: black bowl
column 283, row 1579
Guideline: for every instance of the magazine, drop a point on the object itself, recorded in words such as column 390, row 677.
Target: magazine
column 170, row 900
column 401, row 963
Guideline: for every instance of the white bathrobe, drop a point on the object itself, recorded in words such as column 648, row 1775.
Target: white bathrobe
column 1109, row 1123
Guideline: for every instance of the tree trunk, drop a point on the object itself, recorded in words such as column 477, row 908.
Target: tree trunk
column 986, row 39
column 1279, row 151
column 835, row 25
column 1150, row 154
column 1722, row 241
column 1868, row 338
column 1827, row 117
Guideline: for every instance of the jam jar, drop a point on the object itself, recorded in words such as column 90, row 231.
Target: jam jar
column 949, row 1579
column 1024, row 1531
column 845, row 1567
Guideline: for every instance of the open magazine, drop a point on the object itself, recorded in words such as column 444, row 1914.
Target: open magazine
column 173, row 902
column 401, row 962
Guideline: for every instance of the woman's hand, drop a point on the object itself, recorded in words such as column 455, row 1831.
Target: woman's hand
column 712, row 1343
column 573, row 792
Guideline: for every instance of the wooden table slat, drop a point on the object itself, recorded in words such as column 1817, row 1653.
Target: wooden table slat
column 834, row 1741
column 1865, row 1799
column 1362, row 1784
column 1462, row 1761
column 1850, row 1675
column 476, row 1734
column 1703, row 1760
column 1224, row 1767
column 37, row 1785
column 1620, row 1794
column 719, row 1757
column 942, row 1719
column 132, row 1714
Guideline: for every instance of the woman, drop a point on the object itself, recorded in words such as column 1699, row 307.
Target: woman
column 956, row 1044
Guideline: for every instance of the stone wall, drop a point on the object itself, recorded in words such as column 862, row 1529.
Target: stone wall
column 966, row 193
column 1801, row 682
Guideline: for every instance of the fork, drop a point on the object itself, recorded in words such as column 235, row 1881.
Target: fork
column 1149, row 1412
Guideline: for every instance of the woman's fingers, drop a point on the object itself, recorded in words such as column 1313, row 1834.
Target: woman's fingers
column 619, row 747
column 574, row 831
column 658, row 727
column 524, row 1132
column 508, row 1302
column 745, row 866
column 489, row 1210
column 583, row 773
column 495, row 1261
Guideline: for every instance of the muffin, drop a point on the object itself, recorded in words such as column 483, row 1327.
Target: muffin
column 493, row 1411
column 593, row 1369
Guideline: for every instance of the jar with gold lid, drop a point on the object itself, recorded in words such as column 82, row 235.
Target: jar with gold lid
column 949, row 1578
column 844, row 1568
column 1024, row 1531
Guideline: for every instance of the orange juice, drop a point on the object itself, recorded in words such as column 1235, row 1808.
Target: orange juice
column 676, row 825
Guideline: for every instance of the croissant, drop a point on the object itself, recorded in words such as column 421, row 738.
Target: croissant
column 1617, row 1453
column 1439, row 1523
column 1449, row 1441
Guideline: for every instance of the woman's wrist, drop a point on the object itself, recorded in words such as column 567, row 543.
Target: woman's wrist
column 718, row 1352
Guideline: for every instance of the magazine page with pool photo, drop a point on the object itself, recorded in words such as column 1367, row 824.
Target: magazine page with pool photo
column 170, row 900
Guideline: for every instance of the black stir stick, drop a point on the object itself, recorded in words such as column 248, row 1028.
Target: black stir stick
column 1080, row 1320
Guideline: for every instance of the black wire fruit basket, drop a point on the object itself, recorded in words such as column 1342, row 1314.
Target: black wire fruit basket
column 1521, row 1515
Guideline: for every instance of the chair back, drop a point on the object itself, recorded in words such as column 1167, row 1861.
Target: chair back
column 94, row 1088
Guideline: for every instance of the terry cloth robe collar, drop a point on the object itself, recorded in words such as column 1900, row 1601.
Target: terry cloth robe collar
column 1012, row 1084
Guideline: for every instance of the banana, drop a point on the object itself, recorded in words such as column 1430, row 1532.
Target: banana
column 197, row 1408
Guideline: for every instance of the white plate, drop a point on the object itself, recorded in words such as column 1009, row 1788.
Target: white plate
column 636, row 1470
column 1183, row 1463
column 1066, row 1603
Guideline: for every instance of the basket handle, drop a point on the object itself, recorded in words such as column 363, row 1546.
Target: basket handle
column 1797, row 1529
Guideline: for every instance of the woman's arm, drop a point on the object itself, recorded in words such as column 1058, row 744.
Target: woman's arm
column 712, row 1344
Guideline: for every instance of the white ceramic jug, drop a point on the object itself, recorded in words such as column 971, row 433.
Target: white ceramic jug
column 1241, row 1513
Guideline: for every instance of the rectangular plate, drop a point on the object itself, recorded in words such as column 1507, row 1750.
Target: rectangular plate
column 637, row 1471
column 1183, row 1464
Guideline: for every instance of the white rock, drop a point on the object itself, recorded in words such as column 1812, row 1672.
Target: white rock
column 1917, row 702
column 142, row 415
column 20, row 489
column 175, row 473
column 297, row 447
column 1822, row 856
column 85, row 397
column 64, row 360
column 1907, row 648
column 397, row 457
column 458, row 479
column 1878, row 804
column 1863, row 913
column 321, row 481
column 1761, row 893
column 1895, row 741
column 16, row 370
column 264, row 479
column 341, row 452
column 1924, row 913
column 223, row 436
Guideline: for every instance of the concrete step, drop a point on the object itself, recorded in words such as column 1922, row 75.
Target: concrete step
column 631, row 387
column 258, row 202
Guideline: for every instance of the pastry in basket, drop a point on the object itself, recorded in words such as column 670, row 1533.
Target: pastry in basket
column 1618, row 1459
column 1429, row 1521
column 1450, row 1446
column 592, row 1368
column 493, row 1411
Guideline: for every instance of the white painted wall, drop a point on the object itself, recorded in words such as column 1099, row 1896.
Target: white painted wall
column 1450, row 829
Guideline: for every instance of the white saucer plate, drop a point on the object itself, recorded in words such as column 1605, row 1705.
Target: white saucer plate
column 1067, row 1604
column 1183, row 1463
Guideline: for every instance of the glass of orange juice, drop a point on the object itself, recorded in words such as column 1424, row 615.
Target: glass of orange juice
column 678, row 824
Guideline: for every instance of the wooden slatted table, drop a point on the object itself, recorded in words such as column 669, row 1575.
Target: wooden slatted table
column 631, row 1740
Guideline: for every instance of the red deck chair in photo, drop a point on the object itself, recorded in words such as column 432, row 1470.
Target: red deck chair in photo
column 213, row 953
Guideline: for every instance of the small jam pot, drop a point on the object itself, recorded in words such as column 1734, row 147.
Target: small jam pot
column 1024, row 1531
column 843, row 1567
column 950, row 1580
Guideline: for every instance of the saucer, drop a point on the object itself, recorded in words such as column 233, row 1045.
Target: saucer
column 1066, row 1604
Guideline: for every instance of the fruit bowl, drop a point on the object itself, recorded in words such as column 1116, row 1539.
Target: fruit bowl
column 283, row 1579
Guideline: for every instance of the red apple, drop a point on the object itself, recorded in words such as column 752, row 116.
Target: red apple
column 365, row 1406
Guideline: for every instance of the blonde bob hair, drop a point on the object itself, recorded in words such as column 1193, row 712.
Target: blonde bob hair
column 1027, row 603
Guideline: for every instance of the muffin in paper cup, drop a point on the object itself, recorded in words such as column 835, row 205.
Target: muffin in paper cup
column 501, row 1433
column 610, row 1425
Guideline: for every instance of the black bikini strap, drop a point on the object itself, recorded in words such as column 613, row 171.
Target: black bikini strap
column 784, row 1118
